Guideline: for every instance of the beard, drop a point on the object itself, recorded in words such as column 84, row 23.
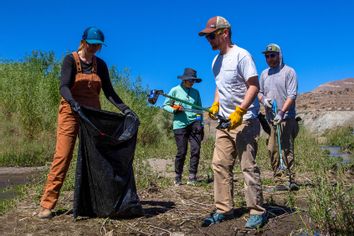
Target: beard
column 214, row 46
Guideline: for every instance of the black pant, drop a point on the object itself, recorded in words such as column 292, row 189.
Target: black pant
column 194, row 134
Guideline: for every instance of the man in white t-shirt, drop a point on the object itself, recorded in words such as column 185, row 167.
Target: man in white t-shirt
column 236, row 89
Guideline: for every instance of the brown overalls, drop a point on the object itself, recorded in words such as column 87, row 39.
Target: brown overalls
column 85, row 91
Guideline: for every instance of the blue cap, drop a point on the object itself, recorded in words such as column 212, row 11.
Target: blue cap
column 93, row 35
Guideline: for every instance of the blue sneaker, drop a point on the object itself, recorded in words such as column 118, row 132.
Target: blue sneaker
column 256, row 221
column 216, row 218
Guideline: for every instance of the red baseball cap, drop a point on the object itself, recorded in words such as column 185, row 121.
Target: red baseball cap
column 213, row 24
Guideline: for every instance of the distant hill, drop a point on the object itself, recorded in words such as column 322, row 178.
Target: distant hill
column 329, row 105
column 333, row 96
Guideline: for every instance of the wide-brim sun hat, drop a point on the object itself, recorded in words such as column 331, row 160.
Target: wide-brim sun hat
column 190, row 74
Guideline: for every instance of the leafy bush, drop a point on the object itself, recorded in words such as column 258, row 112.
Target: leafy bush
column 29, row 101
column 331, row 206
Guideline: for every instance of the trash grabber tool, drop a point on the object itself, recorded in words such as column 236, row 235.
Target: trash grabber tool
column 223, row 123
column 275, row 111
column 154, row 95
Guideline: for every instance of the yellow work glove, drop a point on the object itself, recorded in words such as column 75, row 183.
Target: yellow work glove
column 236, row 117
column 213, row 110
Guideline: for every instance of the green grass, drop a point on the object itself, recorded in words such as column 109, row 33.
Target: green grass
column 343, row 137
column 331, row 206
column 19, row 191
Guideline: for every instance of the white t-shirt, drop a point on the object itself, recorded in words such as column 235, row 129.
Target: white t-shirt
column 231, row 72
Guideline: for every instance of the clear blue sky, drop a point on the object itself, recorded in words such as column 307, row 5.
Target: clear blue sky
column 158, row 39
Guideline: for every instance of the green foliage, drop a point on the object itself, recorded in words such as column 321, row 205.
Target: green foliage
column 29, row 97
column 206, row 156
column 30, row 91
column 29, row 102
column 309, row 158
column 135, row 96
column 330, row 199
column 343, row 137
column 8, row 203
column 331, row 206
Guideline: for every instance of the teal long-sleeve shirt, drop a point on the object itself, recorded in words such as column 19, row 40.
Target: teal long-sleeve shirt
column 183, row 118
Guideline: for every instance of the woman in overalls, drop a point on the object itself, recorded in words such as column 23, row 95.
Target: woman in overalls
column 82, row 77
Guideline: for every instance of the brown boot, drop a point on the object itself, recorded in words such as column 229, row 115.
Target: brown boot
column 45, row 213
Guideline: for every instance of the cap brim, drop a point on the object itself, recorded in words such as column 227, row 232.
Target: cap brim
column 95, row 41
column 197, row 80
column 206, row 31
column 264, row 52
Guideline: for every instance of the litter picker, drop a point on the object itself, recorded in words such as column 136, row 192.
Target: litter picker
column 154, row 95
column 275, row 111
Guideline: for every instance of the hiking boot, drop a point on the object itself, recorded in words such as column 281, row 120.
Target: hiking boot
column 192, row 182
column 293, row 186
column 216, row 218
column 45, row 213
column 256, row 221
column 178, row 181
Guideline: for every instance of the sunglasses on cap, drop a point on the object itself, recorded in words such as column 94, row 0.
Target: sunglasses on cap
column 271, row 55
column 212, row 36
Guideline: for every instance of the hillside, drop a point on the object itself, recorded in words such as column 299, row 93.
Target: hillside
column 328, row 106
column 332, row 96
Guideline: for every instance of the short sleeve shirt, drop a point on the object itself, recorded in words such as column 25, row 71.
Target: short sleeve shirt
column 279, row 84
column 231, row 71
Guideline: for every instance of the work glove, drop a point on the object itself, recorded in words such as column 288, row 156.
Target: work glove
column 278, row 118
column 267, row 103
column 213, row 111
column 131, row 124
column 236, row 117
column 177, row 108
column 75, row 106
column 129, row 112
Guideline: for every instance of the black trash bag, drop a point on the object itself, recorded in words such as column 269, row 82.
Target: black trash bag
column 105, row 184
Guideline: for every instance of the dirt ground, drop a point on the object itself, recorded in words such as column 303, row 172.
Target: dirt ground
column 172, row 211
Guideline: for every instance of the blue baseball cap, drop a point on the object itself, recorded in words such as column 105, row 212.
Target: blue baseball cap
column 93, row 35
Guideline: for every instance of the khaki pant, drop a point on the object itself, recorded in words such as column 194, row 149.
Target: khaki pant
column 288, row 132
column 240, row 143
